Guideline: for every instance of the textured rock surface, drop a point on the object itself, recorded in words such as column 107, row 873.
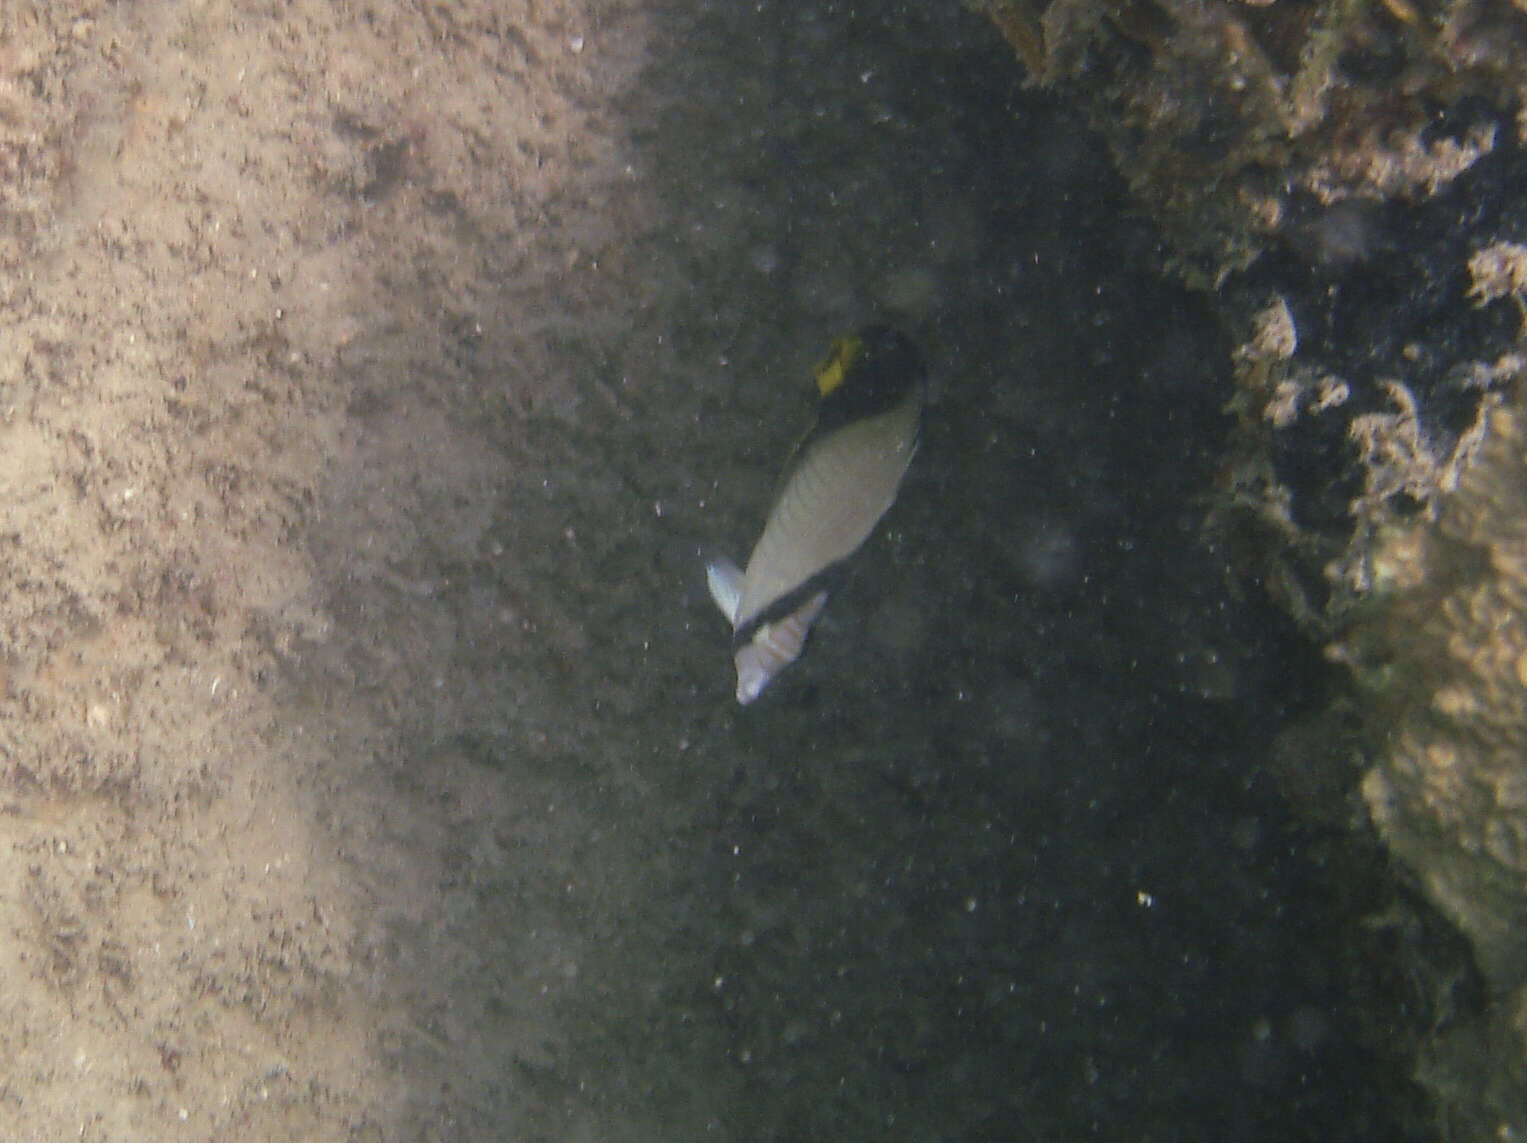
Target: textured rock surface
column 1347, row 177
column 1240, row 125
column 1441, row 655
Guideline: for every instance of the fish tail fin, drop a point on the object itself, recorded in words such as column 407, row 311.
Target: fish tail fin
column 724, row 578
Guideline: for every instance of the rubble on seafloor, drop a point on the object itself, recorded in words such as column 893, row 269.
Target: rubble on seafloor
column 1345, row 178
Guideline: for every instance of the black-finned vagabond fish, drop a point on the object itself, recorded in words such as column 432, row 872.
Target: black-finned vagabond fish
column 837, row 484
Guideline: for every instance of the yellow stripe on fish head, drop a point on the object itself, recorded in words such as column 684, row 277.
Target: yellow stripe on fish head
column 845, row 351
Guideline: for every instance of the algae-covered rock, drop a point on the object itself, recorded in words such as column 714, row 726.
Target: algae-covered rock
column 1441, row 654
column 1239, row 124
column 1346, row 178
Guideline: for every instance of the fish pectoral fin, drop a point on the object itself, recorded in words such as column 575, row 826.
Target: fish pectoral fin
column 724, row 579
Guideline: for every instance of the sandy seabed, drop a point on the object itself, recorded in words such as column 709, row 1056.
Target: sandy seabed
column 248, row 255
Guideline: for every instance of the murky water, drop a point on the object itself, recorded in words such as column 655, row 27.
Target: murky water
column 431, row 346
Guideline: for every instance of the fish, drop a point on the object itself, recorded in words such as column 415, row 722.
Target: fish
column 836, row 485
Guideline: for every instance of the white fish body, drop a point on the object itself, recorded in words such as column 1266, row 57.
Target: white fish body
column 837, row 486
column 832, row 498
